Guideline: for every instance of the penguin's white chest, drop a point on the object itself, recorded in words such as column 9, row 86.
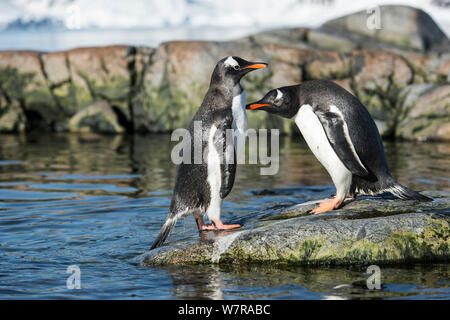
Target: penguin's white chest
column 314, row 135
column 240, row 122
column 214, row 177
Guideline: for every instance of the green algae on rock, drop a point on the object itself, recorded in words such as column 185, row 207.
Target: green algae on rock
column 366, row 231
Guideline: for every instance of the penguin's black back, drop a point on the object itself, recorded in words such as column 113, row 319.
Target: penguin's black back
column 361, row 127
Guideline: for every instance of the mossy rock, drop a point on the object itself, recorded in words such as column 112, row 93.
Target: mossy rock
column 12, row 119
column 372, row 230
column 99, row 117
column 425, row 110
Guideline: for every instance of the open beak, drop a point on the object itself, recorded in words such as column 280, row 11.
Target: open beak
column 253, row 106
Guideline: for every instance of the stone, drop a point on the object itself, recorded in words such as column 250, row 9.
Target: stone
column 289, row 37
column 370, row 230
column 425, row 113
column 56, row 67
column 160, row 89
column 12, row 118
column 329, row 65
column 23, row 80
column 331, row 41
column 402, row 26
column 98, row 117
column 100, row 73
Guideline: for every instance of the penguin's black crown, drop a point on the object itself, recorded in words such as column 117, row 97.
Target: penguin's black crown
column 233, row 68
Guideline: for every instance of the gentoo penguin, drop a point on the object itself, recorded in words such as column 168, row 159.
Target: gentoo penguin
column 201, row 187
column 341, row 134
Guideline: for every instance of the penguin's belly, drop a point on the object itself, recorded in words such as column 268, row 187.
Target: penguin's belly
column 314, row 135
column 214, row 178
column 240, row 123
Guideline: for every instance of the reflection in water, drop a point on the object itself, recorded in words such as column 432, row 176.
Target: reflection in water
column 266, row 282
column 147, row 158
column 98, row 202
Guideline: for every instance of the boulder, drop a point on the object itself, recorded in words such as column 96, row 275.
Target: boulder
column 98, row 117
column 160, row 89
column 404, row 27
column 179, row 75
column 389, row 27
column 424, row 113
column 56, row 67
column 100, row 73
column 375, row 230
column 12, row 118
column 23, row 82
column 331, row 41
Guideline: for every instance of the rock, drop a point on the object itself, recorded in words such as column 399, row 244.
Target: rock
column 402, row 29
column 12, row 118
column 24, row 83
column 179, row 76
column 366, row 231
column 331, row 41
column 159, row 89
column 329, row 65
column 98, row 117
column 425, row 113
column 100, row 73
column 291, row 37
column 401, row 26
column 56, row 67
column 139, row 105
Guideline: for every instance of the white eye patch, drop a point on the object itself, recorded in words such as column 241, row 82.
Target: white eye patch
column 279, row 95
column 231, row 62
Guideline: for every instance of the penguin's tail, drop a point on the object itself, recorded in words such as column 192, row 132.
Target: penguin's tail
column 164, row 232
column 404, row 193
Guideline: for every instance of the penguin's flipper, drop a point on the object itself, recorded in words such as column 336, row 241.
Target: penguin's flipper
column 225, row 148
column 228, row 174
column 337, row 134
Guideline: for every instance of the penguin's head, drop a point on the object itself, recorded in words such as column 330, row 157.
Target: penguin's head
column 231, row 69
column 282, row 101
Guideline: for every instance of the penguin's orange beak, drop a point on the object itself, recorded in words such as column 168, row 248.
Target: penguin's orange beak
column 256, row 66
column 257, row 105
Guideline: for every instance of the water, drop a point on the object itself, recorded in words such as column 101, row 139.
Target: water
column 98, row 201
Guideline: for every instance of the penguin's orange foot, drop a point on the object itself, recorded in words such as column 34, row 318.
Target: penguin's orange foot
column 217, row 226
column 229, row 226
column 206, row 227
column 220, row 226
column 327, row 205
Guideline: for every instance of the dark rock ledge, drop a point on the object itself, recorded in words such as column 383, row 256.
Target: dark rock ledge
column 367, row 231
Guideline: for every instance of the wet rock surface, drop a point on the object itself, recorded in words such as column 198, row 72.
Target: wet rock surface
column 380, row 230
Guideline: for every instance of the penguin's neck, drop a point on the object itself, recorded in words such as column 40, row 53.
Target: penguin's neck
column 240, row 120
column 238, row 102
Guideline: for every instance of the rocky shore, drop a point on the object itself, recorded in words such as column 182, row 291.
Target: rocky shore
column 367, row 231
column 401, row 72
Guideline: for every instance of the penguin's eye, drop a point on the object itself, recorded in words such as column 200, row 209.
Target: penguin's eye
column 276, row 101
column 236, row 67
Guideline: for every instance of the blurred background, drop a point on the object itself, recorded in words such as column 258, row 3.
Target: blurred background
column 49, row 25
